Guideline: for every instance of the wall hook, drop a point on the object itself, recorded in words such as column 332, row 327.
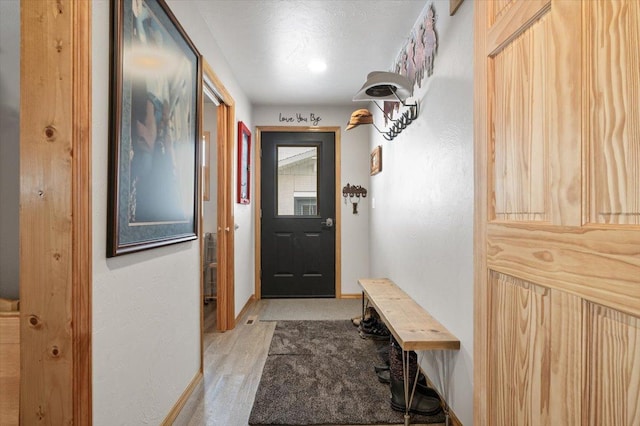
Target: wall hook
column 353, row 193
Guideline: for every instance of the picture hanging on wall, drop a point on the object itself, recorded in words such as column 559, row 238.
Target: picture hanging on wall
column 154, row 130
column 453, row 6
column 244, row 164
column 376, row 160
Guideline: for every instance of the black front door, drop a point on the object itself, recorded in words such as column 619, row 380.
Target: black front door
column 298, row 214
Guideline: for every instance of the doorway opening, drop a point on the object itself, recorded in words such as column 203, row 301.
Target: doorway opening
column 216, row 238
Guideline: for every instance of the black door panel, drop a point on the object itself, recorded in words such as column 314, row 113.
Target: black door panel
column 298, row 195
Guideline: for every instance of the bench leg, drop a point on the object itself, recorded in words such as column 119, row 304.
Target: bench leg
column 409, row 393
column 445, row 386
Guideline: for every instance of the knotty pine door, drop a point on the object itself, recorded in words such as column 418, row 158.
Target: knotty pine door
column 557, row 243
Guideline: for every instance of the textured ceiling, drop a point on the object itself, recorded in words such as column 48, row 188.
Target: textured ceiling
column 269, row 43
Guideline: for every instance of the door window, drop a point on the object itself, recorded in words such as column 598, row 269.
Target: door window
column 297, row 181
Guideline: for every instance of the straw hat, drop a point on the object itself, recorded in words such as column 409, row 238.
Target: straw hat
column 358, row 117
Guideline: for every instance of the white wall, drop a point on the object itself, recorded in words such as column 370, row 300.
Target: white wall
column 187, row 12
column 422, row 223
column 146, row 306
column 9, row 148
column 355, row 170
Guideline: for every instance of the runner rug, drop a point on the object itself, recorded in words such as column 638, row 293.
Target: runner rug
column 322, row 373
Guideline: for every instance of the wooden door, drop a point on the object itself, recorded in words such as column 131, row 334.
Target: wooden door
column 557, row 242
column 298, row 214
column 225, row 308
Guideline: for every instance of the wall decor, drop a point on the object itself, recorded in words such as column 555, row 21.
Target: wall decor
column 353, row 193
column 154, row 131
column 417, row 58
column 300, row 118
column 376, row 160
column 244, row 164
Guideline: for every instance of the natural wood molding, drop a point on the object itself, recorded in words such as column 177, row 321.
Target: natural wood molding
column 481, row 207
column 230, row 129
column 182, row 401
column 257, row 193
column 225, row 142
column 81, row 301
column 208, row 71
column 351, row 296
column 513, row 23
column 55, row 214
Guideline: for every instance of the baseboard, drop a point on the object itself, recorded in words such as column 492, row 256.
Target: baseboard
column 182, row 401
column 351, row 296
column 245, row 309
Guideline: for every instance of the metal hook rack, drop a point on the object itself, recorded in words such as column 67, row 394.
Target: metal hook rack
column 399, row 124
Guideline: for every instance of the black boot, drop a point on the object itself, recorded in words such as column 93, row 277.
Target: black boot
column 425, row 400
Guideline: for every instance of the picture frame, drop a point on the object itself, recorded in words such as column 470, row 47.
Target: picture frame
column 154, row 140
column 376, row 160
column 244, row 164
column 453, row 6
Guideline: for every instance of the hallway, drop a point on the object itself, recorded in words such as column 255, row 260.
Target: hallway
column 233, row 361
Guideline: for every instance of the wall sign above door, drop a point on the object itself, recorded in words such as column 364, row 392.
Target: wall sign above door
column 298, row 117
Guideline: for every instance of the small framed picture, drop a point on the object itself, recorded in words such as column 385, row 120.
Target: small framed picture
column 376, row 160
column 244, row 164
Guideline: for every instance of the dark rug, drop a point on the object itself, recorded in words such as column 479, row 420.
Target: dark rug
column 321, row 373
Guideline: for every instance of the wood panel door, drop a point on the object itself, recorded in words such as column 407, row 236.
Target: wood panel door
column 557, row 240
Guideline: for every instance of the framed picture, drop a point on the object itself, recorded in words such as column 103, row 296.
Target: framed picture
column 154, row 133
column 376, row 160
column 453, row 6
column 244, row 164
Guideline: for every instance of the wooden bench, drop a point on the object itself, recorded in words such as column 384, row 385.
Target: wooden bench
column 412, row 326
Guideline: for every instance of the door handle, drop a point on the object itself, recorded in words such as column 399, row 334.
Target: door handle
column 327, row 223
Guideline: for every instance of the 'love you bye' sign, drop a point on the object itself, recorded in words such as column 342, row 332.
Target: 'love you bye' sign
column 298, row 118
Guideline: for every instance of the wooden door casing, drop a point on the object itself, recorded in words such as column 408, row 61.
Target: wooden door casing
column 557, row 246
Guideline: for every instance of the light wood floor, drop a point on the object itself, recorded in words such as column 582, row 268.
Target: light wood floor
column 233, row 363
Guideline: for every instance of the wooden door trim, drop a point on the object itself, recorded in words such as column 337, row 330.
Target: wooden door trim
column 225, row 318
column 258, row 199
column 55, row 213
column 482, row 105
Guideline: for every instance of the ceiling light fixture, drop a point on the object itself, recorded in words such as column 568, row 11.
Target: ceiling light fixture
column 317, row 66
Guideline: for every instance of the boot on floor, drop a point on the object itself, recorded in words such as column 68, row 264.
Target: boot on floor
column 425, row 399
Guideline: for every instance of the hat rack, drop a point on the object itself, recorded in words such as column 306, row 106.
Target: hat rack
column 386, row 86
column 399, row 124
